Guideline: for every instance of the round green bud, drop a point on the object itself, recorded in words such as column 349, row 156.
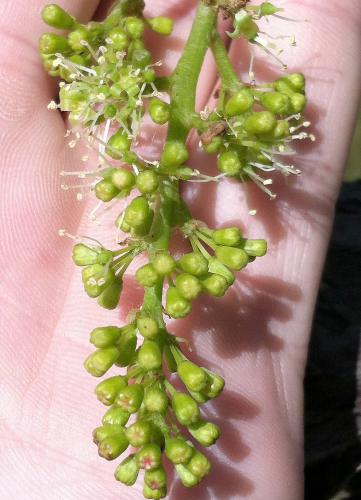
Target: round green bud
column 96, row 279
column 127, row 471
column 112, row 446
column 143, row 230
column 192, row 376
column 119, row 39
column 118, row 144
column 55, row 16
column 159, row 111
column 105, row 190
column 134, row 26
column 206, row 433
column 214, row 146
column 130, row 398
column 229, row 163
column 149, row 75
column 277, row 103
column 137, row 212
column 149, row 457
column 105, row 336
column 239, row 103
column 139, row 433
column 214, row 386
column 294, row 81
column 123, row 178
column 105, row 431
column 234, row 258
column 183, row 173
column 84, row 255
column 176, row 305
column 298, row 102
column 188, row 286
column 77, row 38
column 261, row 122
column 108, row 389
column 156, row 478
column 188, row 479
column 185, row 408
column 146, row 275
column 194, row 263
column 164, row 264
column 229, row 236
column 282, row 129
column 109, row 298
column 155, row 400
column 155, row 494
column 50, row 43
column 141, row 58
column 215, row 285
column 199, row 465
column 150, row 356
column 178, row 450
column 147, row 182
column 147, row 327
column 126, row 344
column 161, row 25
column 99, row 362
column 174, row 154
column 255, row 248
column 115, row 416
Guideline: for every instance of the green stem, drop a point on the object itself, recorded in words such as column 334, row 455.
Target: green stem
column 230, row 80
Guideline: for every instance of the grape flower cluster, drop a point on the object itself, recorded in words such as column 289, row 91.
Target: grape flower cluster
column 108, row 83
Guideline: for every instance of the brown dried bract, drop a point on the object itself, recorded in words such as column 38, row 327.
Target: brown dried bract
column 215, row 129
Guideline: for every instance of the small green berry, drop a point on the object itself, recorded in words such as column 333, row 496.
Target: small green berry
column 174, row 154
column 185, row 408
column 127, row 471
column 164, row 264
column 123, row 178
column 147, row 275
column 194, row 263
column 176, row 305
column 118, row 144
column 147, row 327
column 147, row 182
column 161, row 25
column 188, row 286
column 108, row 389
column 150, row 356
column 105, row 190
column 239, row 103
column 159, row 111
column 229, row 163
column 178, row 450
column 99, row 362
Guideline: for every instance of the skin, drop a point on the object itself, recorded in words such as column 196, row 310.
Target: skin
column 256, row 337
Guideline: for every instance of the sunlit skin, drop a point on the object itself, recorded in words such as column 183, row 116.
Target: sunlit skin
column 256, row 337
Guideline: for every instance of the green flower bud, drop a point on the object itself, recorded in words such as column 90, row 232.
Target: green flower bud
column 105, row 431
column 156, row 478
column 215, row 285
column 105, row 190
column 214, row 146
column 174, row 154
column 176, row 306
column 77, row 37
column 147, row 327
column 84, row 255
column 139, row 433
column 127, row 344
column 55, row 16
column 137, row 212
column 49, row 43
column 130, row 398
column 118, row 144
column 188, row 286
column 255, row 248
column 134, row 26
column 194, row 263
column 183, row 173
column 229, row 236
column 161, row 25
column 192, row 376
column 239, row 103
column 146, row 275
column 268, row 9
column 109, row 299
column 277, row 103
column 96, row 279
column 147, row 182
column 119, row 39
column 185, row 408
column 99, row 362
column 141, row 58
column 155, row 400
column 105, row 336
column 188, row 479
column 261, row 122
column 112, row 446
column 244, row 25
column 159, row 111
column 108, row 389
column 123, row 178
column 214, row 386
column 71, row 99
column 229, row 163
column 298, row 102
column 206, row 433
column 178, row 450
column 199, row 465
column 127, row 471
column 199, row 397
column 294, row 82
column 115, row 416
column 150, row 356
column 234, row 258
column 164, row 264
column 149, row 457
column 282, row 129
column 155, row 494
